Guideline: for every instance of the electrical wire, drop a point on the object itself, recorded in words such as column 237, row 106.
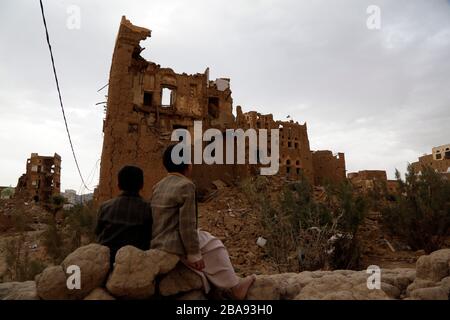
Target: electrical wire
column 59, row 95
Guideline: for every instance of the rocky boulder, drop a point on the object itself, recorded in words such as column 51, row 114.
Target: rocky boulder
column 93, row 261
column 341, row 286
column 135, row 271
column 430, row 293
column 432, row 281
column 18, row 291
column 394, row 282
column 99, row 294
column 155, row 274
column 435, row 266
column 52, row 284
column 279, row 286
column 180, row 279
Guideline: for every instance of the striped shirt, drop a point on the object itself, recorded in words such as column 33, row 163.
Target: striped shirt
column 125, row 220
column 174, row 211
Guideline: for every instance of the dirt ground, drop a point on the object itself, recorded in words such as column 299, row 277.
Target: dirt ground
column 229, row 216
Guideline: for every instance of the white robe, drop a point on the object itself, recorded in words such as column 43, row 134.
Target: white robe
column 218, row 268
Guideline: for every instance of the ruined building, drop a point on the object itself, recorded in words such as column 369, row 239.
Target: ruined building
column 295, row 154
column 367, row 180
column 328, row 168
column 146, row 102
column 439, row 160
column 41, row 180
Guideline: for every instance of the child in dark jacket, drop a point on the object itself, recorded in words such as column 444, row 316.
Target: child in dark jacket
column 126, row 219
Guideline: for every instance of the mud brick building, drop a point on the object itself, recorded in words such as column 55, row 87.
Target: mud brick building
column 366, row 179
column 41, row 180
column 328, row 168
column 439, row 160
column 295, row 154
column 146, row 102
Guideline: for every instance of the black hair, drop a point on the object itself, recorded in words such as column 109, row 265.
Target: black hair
column 131, row 179
column 169, row 164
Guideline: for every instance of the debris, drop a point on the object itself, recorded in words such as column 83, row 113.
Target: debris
column 210, row 196
column 219, row 184
column 389, row 245
column 261, row 242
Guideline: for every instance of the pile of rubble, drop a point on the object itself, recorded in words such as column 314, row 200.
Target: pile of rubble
column 21, row 226
column 31, row 213
column 154, row 274
column 228, row 215
column 381, row 248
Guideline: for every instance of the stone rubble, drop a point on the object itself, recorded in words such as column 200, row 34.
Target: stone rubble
column 154, row 274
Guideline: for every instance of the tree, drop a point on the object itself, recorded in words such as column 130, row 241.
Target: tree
column 306, row 234
column 420, row 213
column 56, row 204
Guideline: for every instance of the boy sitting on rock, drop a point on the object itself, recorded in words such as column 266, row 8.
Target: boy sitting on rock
column 127, row 219
column 175, row 230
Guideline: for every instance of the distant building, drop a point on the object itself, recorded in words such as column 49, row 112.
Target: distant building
column 41, row 180
column 71, row 198
column 84, row 198
column 439, row 160
column 328, row 167
column 366, row 180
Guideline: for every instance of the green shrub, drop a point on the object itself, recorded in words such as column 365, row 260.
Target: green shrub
column 420, row 213
column 19, row 265
column 53, row 242
column 56, row 204
column 80, row 221
column 78, row 224
column 298, row 229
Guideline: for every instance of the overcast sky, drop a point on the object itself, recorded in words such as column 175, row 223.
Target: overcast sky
column 381, row 96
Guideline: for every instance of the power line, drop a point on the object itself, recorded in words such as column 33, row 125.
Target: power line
column 59, row 95
column 103, row 87
column 90, row 177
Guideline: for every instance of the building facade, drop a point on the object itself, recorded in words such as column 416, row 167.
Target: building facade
column 146, row 102
column 42, row 178
column 328, row 167
column 439, row 160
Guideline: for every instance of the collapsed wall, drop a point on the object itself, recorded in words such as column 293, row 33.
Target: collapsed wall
column 295, row 154
column 41, row 180
column 328, row 168
column 146, row 102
